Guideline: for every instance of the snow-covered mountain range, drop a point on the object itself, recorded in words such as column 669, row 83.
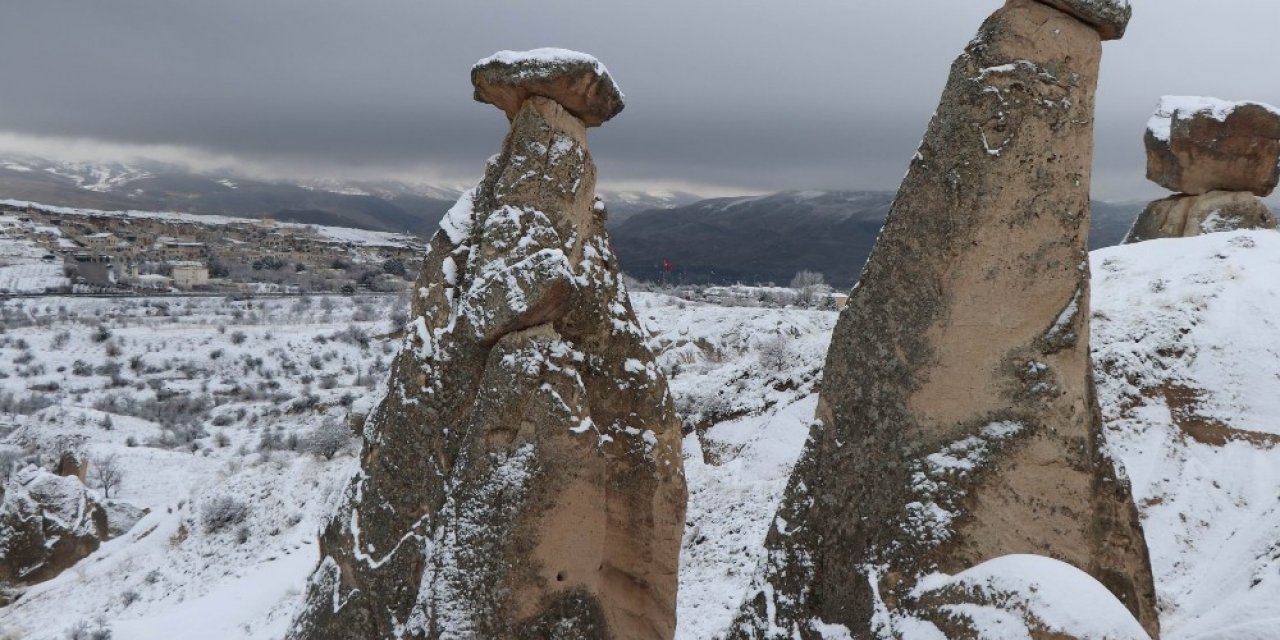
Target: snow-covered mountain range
column 380, row 205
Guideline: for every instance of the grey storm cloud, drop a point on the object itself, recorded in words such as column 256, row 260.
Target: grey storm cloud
column 741, row 95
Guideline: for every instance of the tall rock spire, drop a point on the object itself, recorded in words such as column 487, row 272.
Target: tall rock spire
column 957, row 420
column 522, row 478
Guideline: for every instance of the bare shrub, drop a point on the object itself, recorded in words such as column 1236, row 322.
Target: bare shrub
column 222, row 512
column 327, row 439
column 85, row 630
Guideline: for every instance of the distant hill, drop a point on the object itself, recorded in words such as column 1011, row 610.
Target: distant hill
column 770, row 238
column 382, row 205
column 722, row 240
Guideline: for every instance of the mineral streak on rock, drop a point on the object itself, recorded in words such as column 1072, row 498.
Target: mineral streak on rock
column 522, row 478
column 957, row 421
column 1183, row 216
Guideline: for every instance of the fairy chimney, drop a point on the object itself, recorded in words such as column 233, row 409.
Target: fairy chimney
column 957, row 421
column 523, row 477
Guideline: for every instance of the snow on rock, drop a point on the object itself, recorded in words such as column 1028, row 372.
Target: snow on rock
column 1185, row 348
column 537, row 60
column 576, row 81
column 1196, row 145
column 1184, row 107
column 1015, row 596
column 457, row 221
column 47, row 524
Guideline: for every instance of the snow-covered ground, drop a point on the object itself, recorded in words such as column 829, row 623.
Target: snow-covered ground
column 23, row 268
column 1185, row 338
column 199, row 400
column 1187, row 345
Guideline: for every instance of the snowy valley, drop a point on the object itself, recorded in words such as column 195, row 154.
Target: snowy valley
column 216, row 413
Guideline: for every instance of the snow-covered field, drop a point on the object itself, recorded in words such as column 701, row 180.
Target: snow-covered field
column 200, row 400
column 23, row 269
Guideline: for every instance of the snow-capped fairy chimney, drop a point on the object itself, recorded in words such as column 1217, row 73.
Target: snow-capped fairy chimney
column 522, row 477
column 957, row 421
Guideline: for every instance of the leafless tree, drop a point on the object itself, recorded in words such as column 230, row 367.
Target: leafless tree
column 107, row 473
column 809, row 285
column 775, row 353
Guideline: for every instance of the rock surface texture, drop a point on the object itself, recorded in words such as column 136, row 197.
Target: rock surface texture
column 575, row 81
column 1197, row 145
column 522, row 478
column 1184, row 216
column 47, row 524
column 957, row 420
column 1109, row 17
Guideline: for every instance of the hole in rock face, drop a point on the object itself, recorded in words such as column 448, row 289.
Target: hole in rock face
column 560, row 576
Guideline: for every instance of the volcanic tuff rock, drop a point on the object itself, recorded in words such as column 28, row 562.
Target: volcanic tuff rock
column 1183, row 216
column 1197, row 145
column 47, row 523
column 957, row 420
column 522, row 478
column 575, row 81
column 1109, row 17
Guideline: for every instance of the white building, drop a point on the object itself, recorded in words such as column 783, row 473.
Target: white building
column 188, row 275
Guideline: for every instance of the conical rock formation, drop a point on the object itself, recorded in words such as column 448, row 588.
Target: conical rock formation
column 522, row 478
column 957, row 420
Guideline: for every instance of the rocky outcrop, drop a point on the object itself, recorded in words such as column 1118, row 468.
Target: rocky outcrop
column 575, row 81
column 47, row 524
column 523, row 477
column 1109, row 17
column 73, row 464
column 1196, row 145
column 957, row 420
column 1183, row 216
column 1221, row 156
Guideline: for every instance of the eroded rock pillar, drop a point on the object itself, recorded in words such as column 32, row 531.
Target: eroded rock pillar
column 522, row 478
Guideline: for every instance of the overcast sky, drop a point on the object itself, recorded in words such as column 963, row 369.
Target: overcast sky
column 723, row 96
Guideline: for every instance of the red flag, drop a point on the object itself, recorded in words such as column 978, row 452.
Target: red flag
column 667, row 266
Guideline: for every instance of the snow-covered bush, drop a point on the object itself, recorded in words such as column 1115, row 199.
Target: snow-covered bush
column 327, row 439
column 775, row 353
column 222, row 512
